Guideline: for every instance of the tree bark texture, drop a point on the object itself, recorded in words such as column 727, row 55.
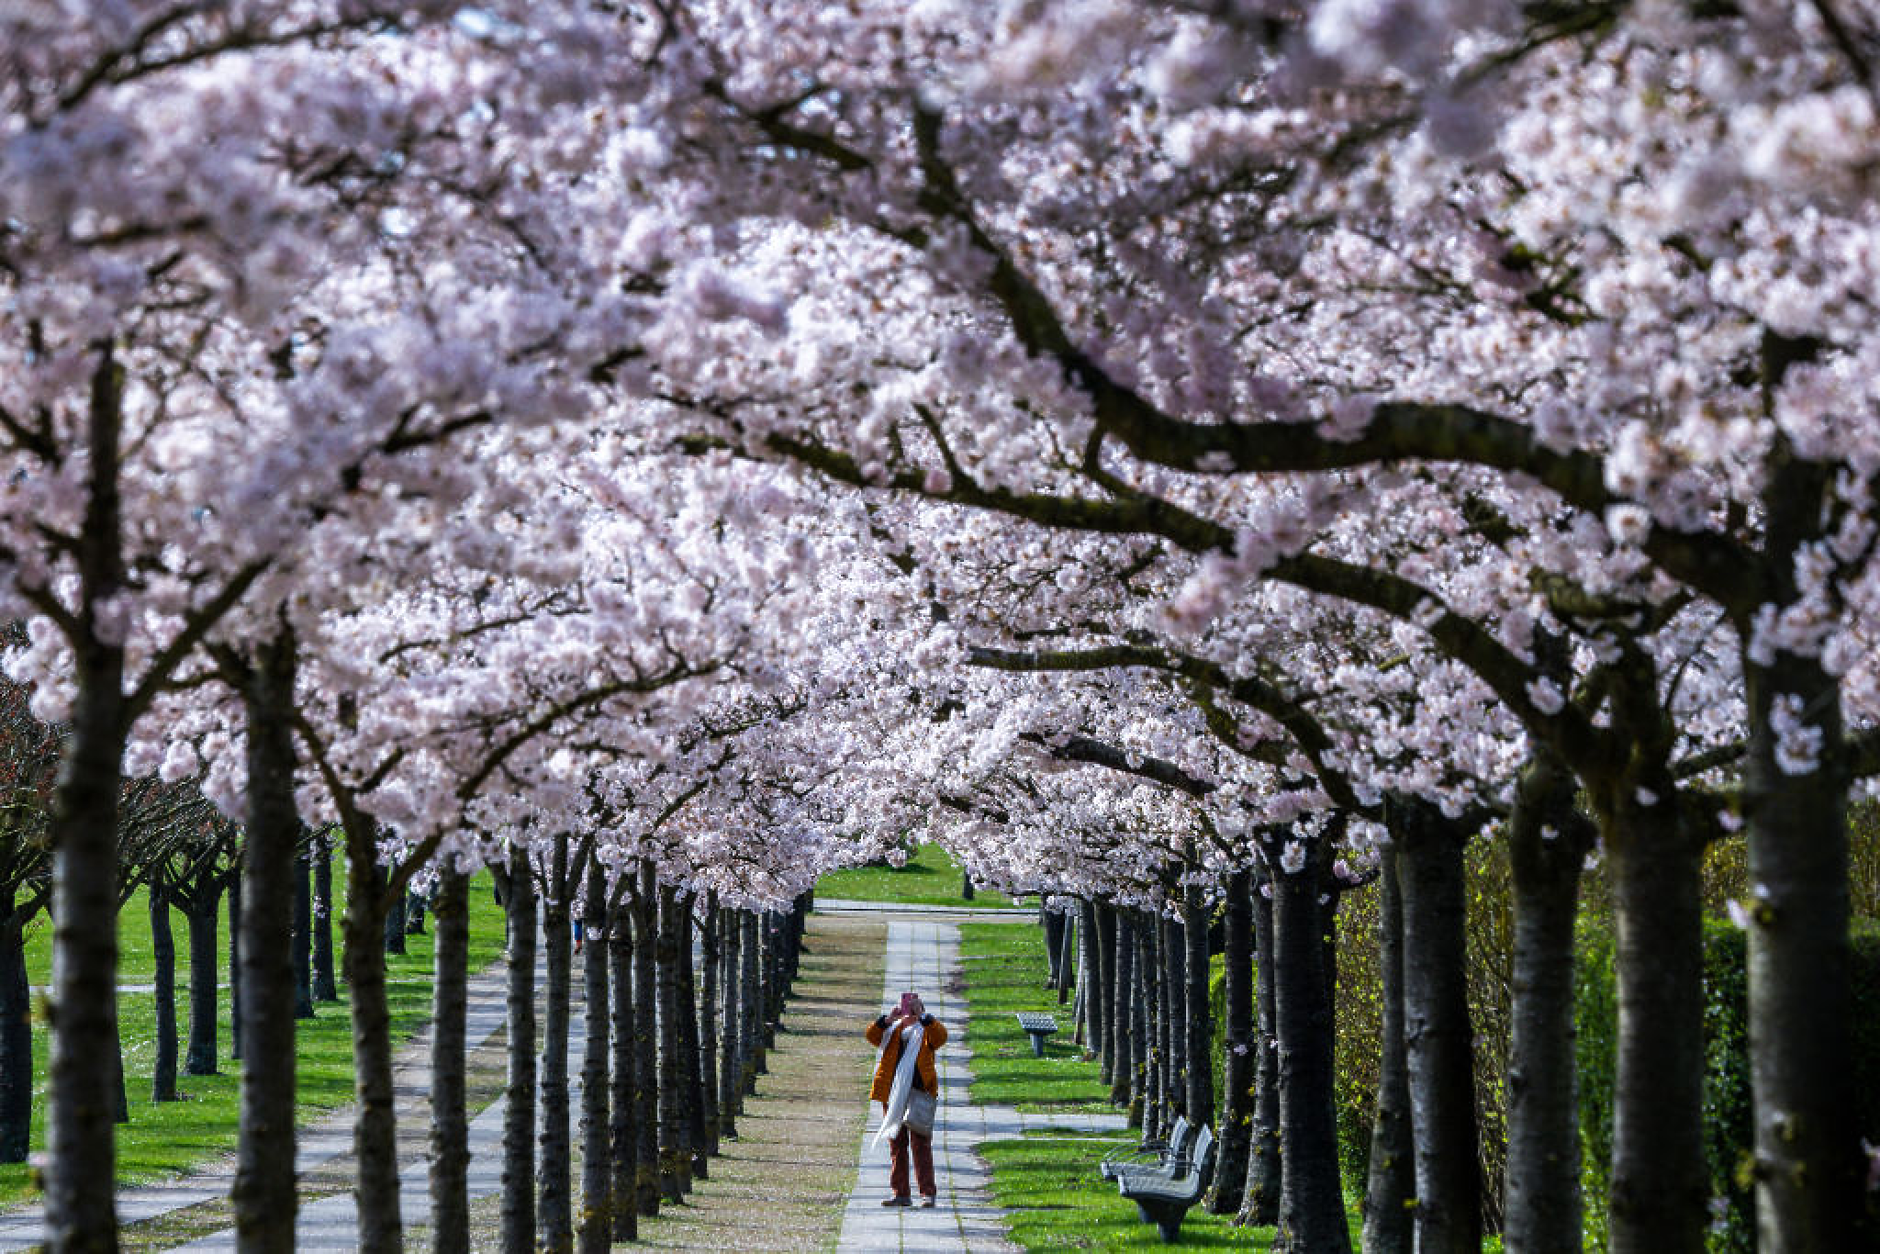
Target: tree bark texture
column 675, row 1150
column 646, row 1038
column 1105, row 1005
column 1439, row 1039
column 1174, row 1018
column 691, row 1049
column 1199, row 1024
column 624, row 1130
column 731, row 1059
column 303, row 936
column 375, row 1126
column 708, row 1031
column 1090, row 989
column 554, row 1220
column 163, row 955
column 1312, row 1209
column 1260, row 1203
column 594, row 1231
column 519, row 1115
column 235, row 966
column 264, row 1195
column 1238, row 1057
column 450, row 1125
column 1122, row 1003
column 750, row 1000
column 1390, row 1183
column 1053, row 924
column 324, row 988
column 201, row 921
column 16, row 1041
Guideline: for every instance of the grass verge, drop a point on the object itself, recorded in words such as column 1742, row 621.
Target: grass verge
column 1003, row 966
column 930, row 878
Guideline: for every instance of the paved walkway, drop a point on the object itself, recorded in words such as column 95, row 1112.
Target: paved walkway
column 316, row 1144
column 923, row 955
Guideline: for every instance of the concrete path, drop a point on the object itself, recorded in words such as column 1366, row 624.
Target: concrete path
column 923, row 955
column 316, row 1145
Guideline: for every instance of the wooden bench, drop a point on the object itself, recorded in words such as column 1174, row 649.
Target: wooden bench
column 1150, row 1156
column 1164, row 1200
column 1037, row 1026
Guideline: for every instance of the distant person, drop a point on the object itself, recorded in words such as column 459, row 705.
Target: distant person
column 908, row 1088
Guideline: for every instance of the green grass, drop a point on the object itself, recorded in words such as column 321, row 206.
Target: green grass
column 1004, row 969
column 930, row 878
column 163, row 1139
column 1055, row 1200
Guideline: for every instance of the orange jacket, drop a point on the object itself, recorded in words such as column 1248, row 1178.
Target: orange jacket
column 931, row 1039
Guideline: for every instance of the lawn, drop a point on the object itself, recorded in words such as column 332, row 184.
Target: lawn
column 1004, row 969
column 163, row 1139
column 930, row 878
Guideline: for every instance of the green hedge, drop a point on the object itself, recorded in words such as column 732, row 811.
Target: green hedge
column 1728, row 1118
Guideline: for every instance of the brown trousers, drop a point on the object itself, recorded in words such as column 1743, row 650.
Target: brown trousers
column 923, row 1162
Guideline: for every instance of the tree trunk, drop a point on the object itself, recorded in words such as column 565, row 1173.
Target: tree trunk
column 1312, row 1207
column 1122, row 1006
column 750, row 998
column 594, row 1233
column 199, row 1058
column 675, row 1151
column 1439, row 1039
column 1053, row 924
column 323, row 986
column 731, row 1059
column 394, row 925
column 1238, row 1058
column 1141, row 1113
column 1265, row 1172
column 1390, row 1186
column 303, row 936
column 81, row 1210
column 450, row 1125
column 1810, row 1171
column 264, row 1196
column 1659, row 1190
column 708, row 1034
column 163, row 955
column 625, row 1105
column 1103, row 1039
column 691, row 1050
column 554, row 1223
column 645, row 1039
column 1174, row 1019
column 1548, row 841
column 235, row 966
column 1156, row 1117
column 1091, row 987
column 375, row 1126
column 1067, row 958
column 519, row 1115
column 1199, row 1024
column 16, row 1039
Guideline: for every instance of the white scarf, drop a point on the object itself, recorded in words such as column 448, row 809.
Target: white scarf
column 896, row 1113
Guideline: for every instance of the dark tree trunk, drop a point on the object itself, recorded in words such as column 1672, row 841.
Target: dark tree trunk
column 1141, row 1115
column 323, row 987
column 303, row 936
column 708, row 1031
column 1155, row 1116
column 1053, row 924
column 81, row 1211
column 1390, row 1186
column 1067, row 957
column 1238, row 1057
column 1810, row 1171
column 235, row 966
column 1439, row 1038
column 966, row 885
column 16, row 1039
column 691, row 1052
column 1103, row 1039
column 1174, row 1019
column 625, row 1105
column 594, row 1233
column 375, row 1126
column 675, row 1150
column 645, row 1040
column 554, row 1223
column 1659, row 1191
column 121, row 1101
column 1091, row 988
column 750, row 999
column 450, row 1124
column 519, row 1115
column 1548, row 841
column 1122, row 1004
column 394, row 922
column 264, row 1195
column 1260, row 1204
column 201, row 920
column 1199, row 1025
column 414, row 914
column 731, row 1060
column 163, row 954
column 1312, row 1207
